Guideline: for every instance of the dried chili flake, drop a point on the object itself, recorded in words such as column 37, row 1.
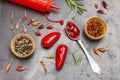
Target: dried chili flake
column 59, row 21
column 43, row 65
column 12, row 16
column 8, row 67
column 31, row 21
column 102, row 49
column 49, row 27
column 20, row 68
column 96, row 5
column 42, row 26
column 24, row 17
column 105, row 5
column 12, row 27
column 37, row 33
column 49, row 57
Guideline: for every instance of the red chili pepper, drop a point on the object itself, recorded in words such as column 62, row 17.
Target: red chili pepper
column 42, row 26
column 49, row 40
column 31, row 21
column 61, row 53
column 96, row 5
column 100, row 11
column 37, row 33
column 105, row 5
column 49, row 27
column 20, row 68
column 60, row 21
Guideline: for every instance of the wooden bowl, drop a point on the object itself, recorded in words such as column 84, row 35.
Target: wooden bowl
column 95, row 28
column 22, row 46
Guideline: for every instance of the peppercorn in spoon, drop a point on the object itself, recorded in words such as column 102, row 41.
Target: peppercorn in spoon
column 73, row 33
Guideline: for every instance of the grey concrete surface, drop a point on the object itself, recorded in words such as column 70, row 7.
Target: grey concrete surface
column 110, row 64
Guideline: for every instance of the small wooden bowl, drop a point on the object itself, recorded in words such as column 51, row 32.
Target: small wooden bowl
column 104, row 29
column 17, row 54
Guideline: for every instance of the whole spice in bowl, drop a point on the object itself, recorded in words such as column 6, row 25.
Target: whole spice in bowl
column 95, row 28
column 22, row 45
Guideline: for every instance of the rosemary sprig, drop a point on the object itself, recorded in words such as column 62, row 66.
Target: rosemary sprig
column 76, row 58
column 77, row 5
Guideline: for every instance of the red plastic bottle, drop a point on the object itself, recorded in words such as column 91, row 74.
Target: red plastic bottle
column 39, row 5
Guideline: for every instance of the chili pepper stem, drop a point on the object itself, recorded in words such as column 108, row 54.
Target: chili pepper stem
column 58, row 21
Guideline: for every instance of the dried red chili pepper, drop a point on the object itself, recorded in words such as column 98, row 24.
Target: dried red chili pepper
column 95, row 51
column 31, row 21
column 96, row 5
column 105, row 5
column 37, row 33
column 8, row 67
column 12, row 16
column 18, row 25
column 59, row 21
column 102, row 49
column 61, row 53
column 24, row 28
column 35, row 23
column 12, row 27
column 24, row 17
column 49, row 27
column 20, row 68
column 49, row 57
column 42, row 26
column 43, row 65
column 50, row 39
column 100, row 11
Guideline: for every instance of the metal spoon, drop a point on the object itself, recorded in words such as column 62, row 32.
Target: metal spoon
column 73, row 33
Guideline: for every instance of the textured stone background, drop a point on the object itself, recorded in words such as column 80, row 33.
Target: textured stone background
column 110, row 65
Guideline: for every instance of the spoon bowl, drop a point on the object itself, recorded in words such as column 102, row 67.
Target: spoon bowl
column 73, row 32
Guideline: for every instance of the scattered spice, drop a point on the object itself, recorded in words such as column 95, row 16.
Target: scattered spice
column 42, row 26
column 102, row 49
column 76, row 58
column 43, row 65
column 20, row 68
column 100, row 11
column 49, row 27
column 12, row 27
column 35, row 23
column 24, row 17
column 96, row 5
column 12, row 16
column 24, row 28
column 23, row 45
column 59, row 21
column 37, row 33
column 8, row 67
column 18, row 25
column 95, row 28
column 31, row 21
column 49, row 57
column 105, row 5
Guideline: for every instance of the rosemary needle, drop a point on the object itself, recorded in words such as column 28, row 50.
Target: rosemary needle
column 77, row 5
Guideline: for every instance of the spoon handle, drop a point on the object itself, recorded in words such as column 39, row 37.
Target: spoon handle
column 95, row 67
